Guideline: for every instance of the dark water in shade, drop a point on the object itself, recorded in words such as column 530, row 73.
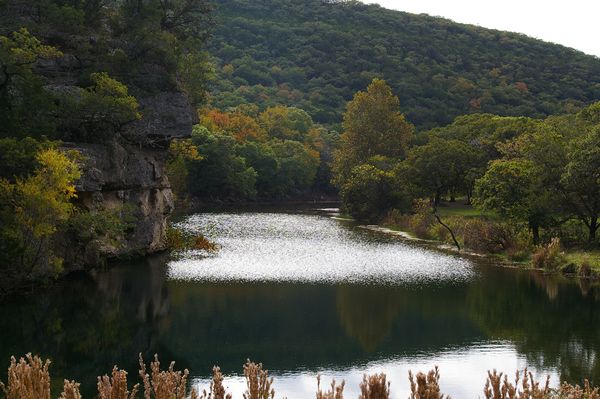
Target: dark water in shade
column 307, row 294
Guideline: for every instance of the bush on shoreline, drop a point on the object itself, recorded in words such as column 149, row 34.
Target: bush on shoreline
column 490, row 236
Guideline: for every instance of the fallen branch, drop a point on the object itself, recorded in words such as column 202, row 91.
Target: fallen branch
column 447, row 228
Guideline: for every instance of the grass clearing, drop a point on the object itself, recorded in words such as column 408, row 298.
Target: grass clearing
column 579, row 257
column 460, row 208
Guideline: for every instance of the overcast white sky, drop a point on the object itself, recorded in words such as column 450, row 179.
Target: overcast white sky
column 573, row 23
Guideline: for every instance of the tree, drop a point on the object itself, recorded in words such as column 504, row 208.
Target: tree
column 285, row 123
column 18, row 158
column 26, row 108
column 581, row 180
column 263, row 160
column 185, row 18
column 441, row 166
column 514, row 189
column 484, row 132
column 373, row 125
column 220, row 173
column 195, row 71
column 366, row 193
column 181, row 152
column 244, row 127
column 297, row 166
column 33, row 209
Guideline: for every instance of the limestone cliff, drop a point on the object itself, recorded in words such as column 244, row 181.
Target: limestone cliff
column 129, row 173
column 128, row 170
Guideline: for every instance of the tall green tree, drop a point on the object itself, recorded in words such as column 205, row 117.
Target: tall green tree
column 440, row 167
column 373, row 125
column 26, row 108
column 581, row 179
column 515, row 190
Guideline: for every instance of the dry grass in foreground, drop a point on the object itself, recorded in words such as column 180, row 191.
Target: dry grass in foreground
column 29, row 378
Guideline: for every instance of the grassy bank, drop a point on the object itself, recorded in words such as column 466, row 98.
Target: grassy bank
column 486, row 233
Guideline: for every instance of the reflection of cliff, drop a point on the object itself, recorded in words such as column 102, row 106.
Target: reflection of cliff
column 367, row 313
column 149, row 289
column 549, row 318
column 90, row 323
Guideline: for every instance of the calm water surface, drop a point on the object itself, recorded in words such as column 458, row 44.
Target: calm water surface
column 308, row 294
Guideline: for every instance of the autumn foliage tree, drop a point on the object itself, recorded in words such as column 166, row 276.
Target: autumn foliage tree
column 373, row 125
column 32, row 209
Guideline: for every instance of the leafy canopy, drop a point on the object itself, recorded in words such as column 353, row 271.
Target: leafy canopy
column 373, row 125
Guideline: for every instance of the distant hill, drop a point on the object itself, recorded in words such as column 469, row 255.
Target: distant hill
column 315, row 54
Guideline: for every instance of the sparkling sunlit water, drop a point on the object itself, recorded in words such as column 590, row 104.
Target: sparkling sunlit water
column 307, row 248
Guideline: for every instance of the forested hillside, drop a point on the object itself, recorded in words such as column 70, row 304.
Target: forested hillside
column 314, row 55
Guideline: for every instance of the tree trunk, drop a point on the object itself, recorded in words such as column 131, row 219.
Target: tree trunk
column 447, row 228
column 535, row 230
column 593, row 228
column 437, row 199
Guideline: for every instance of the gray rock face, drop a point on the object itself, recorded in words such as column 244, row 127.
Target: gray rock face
column 128, row 173
column 131, row 179
column 165, row 116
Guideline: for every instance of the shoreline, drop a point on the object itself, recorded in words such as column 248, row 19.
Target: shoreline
column 498, row 261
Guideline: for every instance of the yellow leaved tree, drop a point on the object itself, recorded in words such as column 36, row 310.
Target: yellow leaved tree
column 34, row 209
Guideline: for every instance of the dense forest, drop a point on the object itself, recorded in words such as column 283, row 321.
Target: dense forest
column 96, row 99
column 244, row 155
column 315, row 55
column 532, row 181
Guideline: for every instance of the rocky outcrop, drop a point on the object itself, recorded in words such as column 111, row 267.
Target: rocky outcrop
column 131, row 180
column 166, row 115
column 128, row 174
column 123, row 169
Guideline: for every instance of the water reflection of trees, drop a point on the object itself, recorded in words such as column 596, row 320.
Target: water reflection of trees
column 553, row 321
column 367, row 313
column 405, row 320
column 291, row 327
column 95, row 321
column 90, row 322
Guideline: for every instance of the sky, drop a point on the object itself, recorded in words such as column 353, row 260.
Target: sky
column 573, row 23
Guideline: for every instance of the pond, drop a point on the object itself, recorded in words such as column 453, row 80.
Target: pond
column 306, row 293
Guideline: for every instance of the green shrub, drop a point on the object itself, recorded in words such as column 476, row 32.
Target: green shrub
column 365, row 194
